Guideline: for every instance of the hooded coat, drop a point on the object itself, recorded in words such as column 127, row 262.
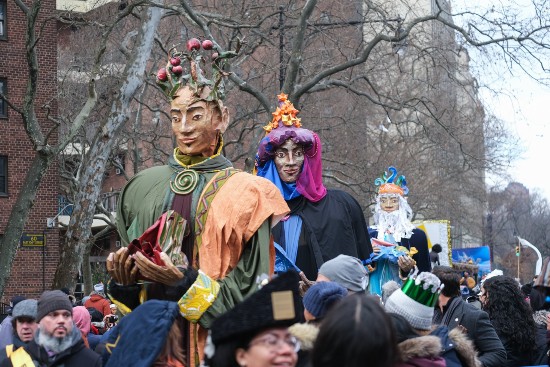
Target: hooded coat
column 423, row 351
column 458, row 350
column 442, row 348
column 99, row 303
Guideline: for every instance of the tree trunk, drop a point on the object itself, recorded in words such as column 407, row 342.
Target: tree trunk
column 19, row 213
column 87, row 282
column 80, row 226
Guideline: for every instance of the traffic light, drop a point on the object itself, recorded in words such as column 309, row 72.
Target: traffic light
column 517, row 250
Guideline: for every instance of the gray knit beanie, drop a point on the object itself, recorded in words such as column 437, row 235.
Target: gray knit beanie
column 348, row 271
column 26, row 308
column 51, row 301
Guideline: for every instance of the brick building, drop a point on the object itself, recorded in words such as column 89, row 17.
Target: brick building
column 38, row 249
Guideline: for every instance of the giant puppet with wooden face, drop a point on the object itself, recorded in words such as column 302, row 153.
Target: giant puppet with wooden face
column 323, row 223
column 197, row 230
column 398, row 245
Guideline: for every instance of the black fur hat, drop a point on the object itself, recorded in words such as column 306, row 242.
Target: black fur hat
column 278, row 303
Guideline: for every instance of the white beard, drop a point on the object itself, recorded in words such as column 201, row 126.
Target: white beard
column 51, row 343
column 395, row 223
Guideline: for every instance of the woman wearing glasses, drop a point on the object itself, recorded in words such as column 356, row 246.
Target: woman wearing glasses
column 255, row 332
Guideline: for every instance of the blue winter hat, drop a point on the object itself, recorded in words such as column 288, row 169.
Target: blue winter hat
column 155, row 318
column 320, row 298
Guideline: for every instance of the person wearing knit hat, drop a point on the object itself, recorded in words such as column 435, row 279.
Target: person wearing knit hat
column 416, row 300
column 51, row 301
column 6, row 329
column 320, row 298
column 57, row 341
column 255, row 332
column 24, row 326
column 98, row 301
column 348, row 271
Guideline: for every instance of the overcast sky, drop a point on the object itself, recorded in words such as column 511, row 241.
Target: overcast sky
column 527, row 117
column 523, row 103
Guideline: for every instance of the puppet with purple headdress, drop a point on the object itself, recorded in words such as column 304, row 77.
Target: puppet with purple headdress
column 323, row 223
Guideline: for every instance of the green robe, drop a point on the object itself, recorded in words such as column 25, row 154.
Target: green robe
column 148, row 195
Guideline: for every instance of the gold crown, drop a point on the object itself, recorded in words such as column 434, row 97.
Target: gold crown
column 284, row 115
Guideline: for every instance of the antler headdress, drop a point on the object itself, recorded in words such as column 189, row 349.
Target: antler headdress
column 188, row 69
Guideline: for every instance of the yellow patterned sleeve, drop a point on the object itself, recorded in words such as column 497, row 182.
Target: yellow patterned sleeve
column 199, row 297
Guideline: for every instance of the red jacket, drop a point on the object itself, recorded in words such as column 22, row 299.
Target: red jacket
column 99, row 303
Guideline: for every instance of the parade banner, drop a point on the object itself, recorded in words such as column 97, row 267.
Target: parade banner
column 480, row 256
column 438, row 231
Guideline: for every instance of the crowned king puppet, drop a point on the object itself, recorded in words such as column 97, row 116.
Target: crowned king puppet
column 398, row 245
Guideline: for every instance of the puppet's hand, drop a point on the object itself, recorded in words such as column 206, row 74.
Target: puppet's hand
column 406, row 264
column 121, row 267
column 167, row 274
column 305, row 284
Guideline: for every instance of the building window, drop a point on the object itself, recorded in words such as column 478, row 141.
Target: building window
column 3, row 103
column 3, row 175
column 3, row 11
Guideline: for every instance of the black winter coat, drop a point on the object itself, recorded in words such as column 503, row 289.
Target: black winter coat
column 479, row 330
column 76, row 356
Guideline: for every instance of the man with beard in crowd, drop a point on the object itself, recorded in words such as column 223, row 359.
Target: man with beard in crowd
column 398, row 245
column 57, row 341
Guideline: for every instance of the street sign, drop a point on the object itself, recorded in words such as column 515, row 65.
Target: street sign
column 32, row 240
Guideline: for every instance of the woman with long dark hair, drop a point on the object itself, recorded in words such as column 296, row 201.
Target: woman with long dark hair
column 356, row 333
column 511, row 316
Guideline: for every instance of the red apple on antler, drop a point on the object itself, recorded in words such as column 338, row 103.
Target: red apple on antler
column 175, row 61
column 207, row 44
column 162, row 75
column 193, row 44
column 177, row 69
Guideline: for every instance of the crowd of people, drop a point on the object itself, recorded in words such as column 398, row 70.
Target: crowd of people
column 423, row 322
column 50, row 331
column 224, row 268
